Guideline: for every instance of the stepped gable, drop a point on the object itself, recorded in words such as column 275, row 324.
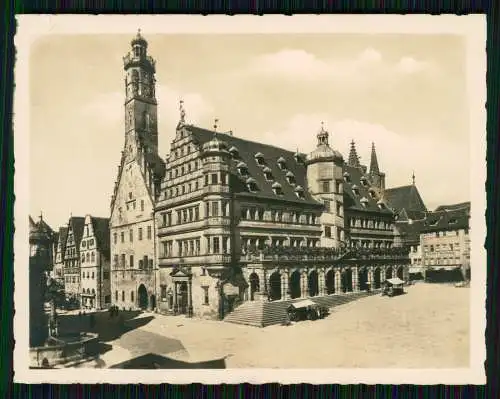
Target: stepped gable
column 405, row 197
column 446, row 220
column 101, row 232
column 353, row 200
column 246, row 151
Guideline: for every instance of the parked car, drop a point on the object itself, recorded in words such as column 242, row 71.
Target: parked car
column 392, row 287
column 306, row 310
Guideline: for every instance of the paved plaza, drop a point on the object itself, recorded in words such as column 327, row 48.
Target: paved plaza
column 428, row 327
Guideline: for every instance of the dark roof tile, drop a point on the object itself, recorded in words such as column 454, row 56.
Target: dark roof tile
column 405, row 197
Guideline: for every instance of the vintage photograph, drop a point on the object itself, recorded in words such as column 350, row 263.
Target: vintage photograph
column 249, row 199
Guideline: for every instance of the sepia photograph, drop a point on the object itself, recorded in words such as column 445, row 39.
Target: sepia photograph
column 255, row 199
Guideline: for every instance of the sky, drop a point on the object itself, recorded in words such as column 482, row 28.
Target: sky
column 405, row 93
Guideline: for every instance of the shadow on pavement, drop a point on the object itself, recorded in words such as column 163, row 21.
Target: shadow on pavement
column 153, row 361
column 108, row 327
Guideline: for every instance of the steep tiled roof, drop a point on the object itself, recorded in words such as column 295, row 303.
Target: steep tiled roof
column 63, row 234
column 246, row 153
column 77, row 223
column 353, row 200
column 101, row 232
column 405, row 197
column 447, row 220
column 453, row 207
column 410, row 232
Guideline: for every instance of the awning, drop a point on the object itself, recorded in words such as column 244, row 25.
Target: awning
column 395, row 281
column 304, row 304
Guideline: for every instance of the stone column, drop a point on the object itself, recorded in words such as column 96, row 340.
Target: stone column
column 370, row 279
column 176, row 306
column 338, row 281
column 303, row 288
column 190, row 301
column 284, row 285
column 355, row 282
column 321, row 282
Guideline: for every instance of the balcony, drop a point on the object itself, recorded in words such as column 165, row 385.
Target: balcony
column 194, row 259
column 272, row 225
column 217, row 221
column 378, row 232
column 216, row 189
column 130, row 59
column 322, row 254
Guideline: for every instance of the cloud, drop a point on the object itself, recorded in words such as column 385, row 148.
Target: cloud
column 298, row 64
column 399, row 154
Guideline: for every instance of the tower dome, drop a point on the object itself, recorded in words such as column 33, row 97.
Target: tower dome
column 215, row 145
column 139, row 40
column 323, row 151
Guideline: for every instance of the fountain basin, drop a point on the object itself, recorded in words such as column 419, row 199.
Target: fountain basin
column 64, row 349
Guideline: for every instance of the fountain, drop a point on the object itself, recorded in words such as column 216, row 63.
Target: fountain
column 49, row 347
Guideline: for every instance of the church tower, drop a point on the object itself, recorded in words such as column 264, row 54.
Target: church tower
column 377, row 177
column 137, row 187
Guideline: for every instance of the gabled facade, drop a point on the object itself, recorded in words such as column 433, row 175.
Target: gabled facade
column 58, row 271
column 71, row 258
column 136, row 188
column 95, row 287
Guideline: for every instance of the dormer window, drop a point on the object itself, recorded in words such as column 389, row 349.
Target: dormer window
column 364, row 201
column 281, row 163
column 277, row 188
column 242, row 168
column 381, row 205
column 233, row 151
column 373, row 194
column 453, row 221
column 364, row 181
column 259, row 158
column 268, row 173
column 290, row 177
column 251, row 184
column 299, row 192
column 355, row 189
column 347, row 177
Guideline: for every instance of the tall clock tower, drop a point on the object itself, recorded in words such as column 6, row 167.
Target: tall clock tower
column 132, row 225
column 140, row 98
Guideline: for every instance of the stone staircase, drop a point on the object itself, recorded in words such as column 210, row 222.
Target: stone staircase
column 261, row 313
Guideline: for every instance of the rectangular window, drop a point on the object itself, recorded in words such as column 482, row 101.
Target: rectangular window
column 163, row 292
column 326, row 203
column 115, row 260
column 140, row 233
column 190, row 212
column 165, row 249
column 339, row 208
column 123, row 261
column 149, row 233
column 164, row 219
column 206, row 180
column 215, row 209
column 107, row 299
column 131, row 296
column 115, row 238
column 131, row 235
column 197, row 213
column 142, row 205
column 198, row 246
column 205, row 296
column 169, row 218
column 328, row 231
column 141, row 264
column 326, row 186
column 214, row 178
column 123, row 296
column 150, row 264
column 131, row 261
column 123, row 237
column 216, row 245
column 184, row 216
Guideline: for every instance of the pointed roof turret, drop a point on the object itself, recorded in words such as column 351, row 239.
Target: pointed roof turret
column 353, row 156
column 373, row 161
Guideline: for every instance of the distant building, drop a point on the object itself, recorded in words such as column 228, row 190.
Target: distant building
column 71, row 258
column 95, row 286
column 445, row 243
column 60, row 245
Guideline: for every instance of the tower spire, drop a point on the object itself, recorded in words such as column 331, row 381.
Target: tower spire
column 373, row 161
column 353, row 156
column 322, row 135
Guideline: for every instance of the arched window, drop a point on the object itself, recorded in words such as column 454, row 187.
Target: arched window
column 93, row 256
column 87, row 257
column 123, row 296
column 93, row 275
column 116, row 295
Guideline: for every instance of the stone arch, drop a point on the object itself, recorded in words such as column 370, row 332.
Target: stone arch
column 142, row 296
column 377, row 278
column 400, row 272
column 313, row 283
column 388, row 272
column 330, row 282
column 275, row 286
column 254, row 285
column 363, row 279
column 346, row 280
column 294, row 284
